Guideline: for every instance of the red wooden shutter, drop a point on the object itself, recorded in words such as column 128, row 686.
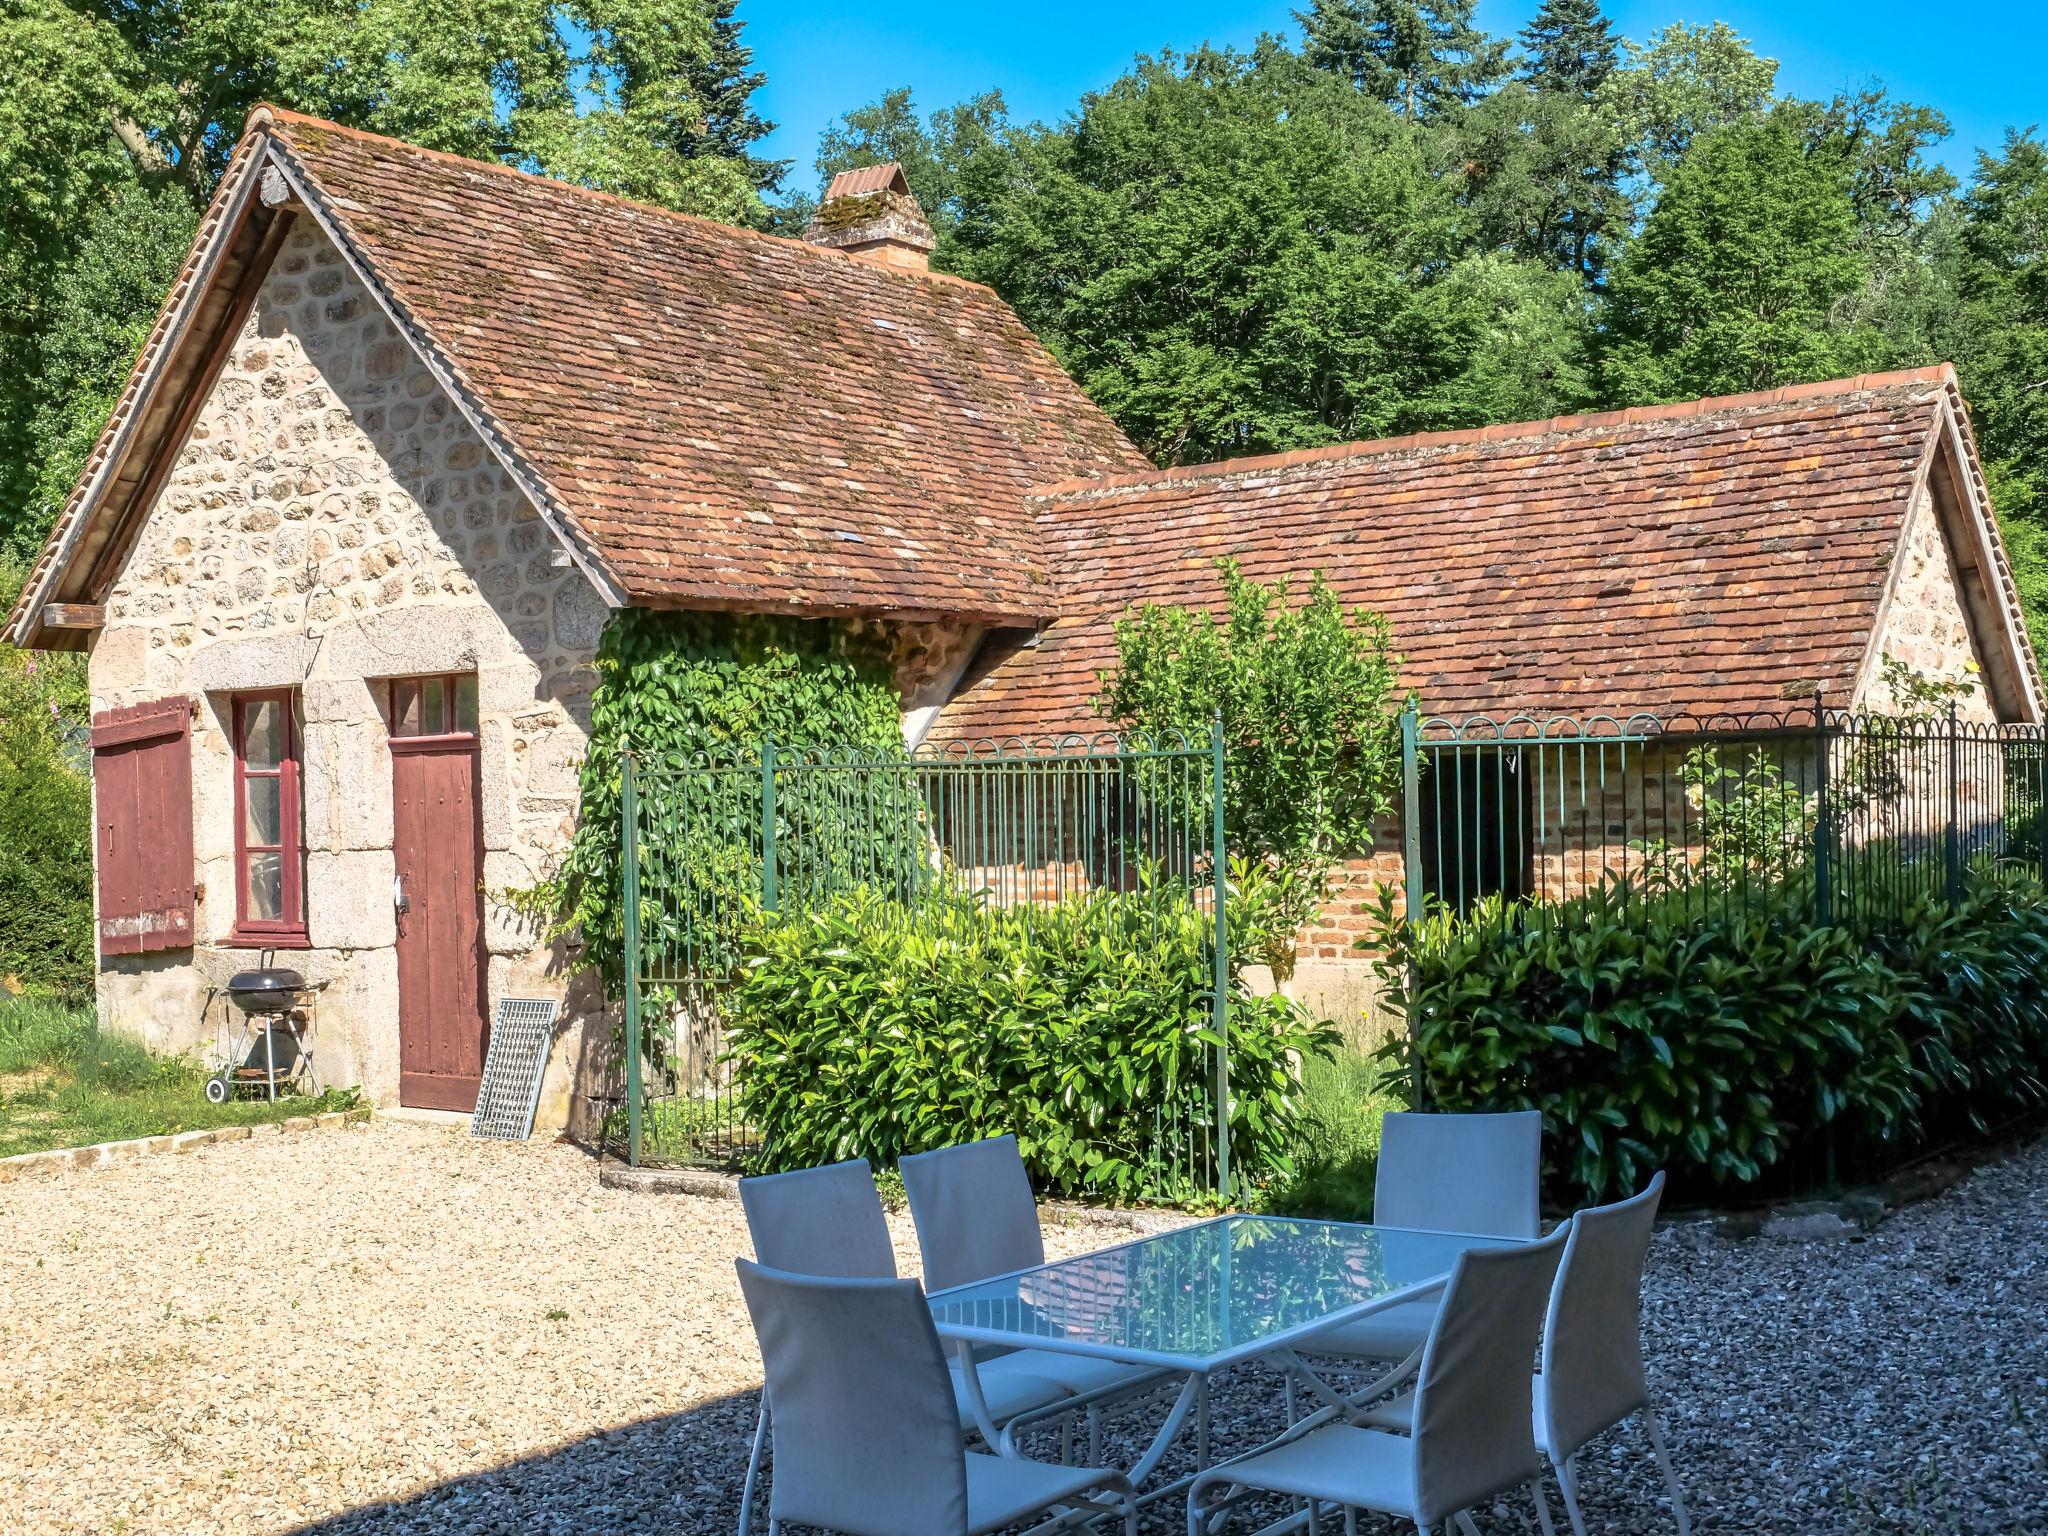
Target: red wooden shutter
column 142, row 810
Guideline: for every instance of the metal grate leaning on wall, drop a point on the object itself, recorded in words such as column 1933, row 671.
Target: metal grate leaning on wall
column 513, row 1068
column 713, row 848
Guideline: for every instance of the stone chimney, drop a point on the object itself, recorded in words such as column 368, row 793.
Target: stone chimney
column 870, row 213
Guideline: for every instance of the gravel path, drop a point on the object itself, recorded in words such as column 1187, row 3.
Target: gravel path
column 395, row 1330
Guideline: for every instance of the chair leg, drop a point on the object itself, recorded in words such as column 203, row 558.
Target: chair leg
column 1288, row 1393
column 1542, row 1507
column 1350, row 1521
column 1465, row 1523
column 1202, row 1422
column 1656, row 1434
column 1095, row 1434
column 1568, row 1485
column 753, row 1468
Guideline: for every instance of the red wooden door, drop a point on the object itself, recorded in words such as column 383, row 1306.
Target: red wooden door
column 438, row 846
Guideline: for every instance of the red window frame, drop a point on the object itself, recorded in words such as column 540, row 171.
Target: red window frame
column 289, row 930
column 456, row 693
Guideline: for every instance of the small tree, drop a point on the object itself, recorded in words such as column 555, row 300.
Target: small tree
column 1305, row 692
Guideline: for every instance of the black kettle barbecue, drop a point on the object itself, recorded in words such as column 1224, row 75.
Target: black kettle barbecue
column 269, row 1050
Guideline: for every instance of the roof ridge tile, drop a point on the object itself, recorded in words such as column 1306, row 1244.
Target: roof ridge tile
column 269, row 115
column 1513, row 431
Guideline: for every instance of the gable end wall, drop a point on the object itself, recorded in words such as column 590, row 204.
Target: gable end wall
column 332, row 520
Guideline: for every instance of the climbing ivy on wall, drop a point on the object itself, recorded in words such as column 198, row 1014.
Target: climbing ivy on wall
column 707, row 688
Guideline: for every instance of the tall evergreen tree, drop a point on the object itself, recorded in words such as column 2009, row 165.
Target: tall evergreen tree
column 1571, row 48
column 723, row 81
column 1732, row 283
column 1421, row 57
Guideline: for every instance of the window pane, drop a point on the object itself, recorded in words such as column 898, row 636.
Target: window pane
column 263, row 733
column 433, row 706
column 405, row 708
column 263, row 817
column 465, row 703
column 265, row 890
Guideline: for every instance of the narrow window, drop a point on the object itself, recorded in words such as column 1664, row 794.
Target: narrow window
column 269, row 839
column 440, row 705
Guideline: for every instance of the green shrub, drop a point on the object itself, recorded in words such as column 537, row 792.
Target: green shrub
column 46, row 897
column 1303, row 691
column 861, row 1027
column 1714, row 1039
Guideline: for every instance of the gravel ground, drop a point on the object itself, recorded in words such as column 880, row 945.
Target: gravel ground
column 396, row 1330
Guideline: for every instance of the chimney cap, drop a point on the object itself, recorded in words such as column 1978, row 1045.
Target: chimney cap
column 871, row 213
column 868, row 179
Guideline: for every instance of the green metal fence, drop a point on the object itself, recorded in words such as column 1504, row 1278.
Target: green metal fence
column 715, row 850
column 1507, row 818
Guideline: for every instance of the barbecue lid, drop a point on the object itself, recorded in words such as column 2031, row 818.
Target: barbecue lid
column 266, row 981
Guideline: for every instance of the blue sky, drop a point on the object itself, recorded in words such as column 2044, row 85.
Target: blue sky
column 1983, row 62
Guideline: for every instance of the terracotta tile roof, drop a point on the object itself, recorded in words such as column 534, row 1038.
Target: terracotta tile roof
column 729, row 418
column 1716, row 556
column 714, row 417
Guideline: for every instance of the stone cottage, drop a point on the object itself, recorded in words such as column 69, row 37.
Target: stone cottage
column 411, row 427
column 408, row 429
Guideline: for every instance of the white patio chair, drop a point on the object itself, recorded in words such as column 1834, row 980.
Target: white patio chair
column 976, row 1218
column 1592, row 1367
column 866, row 1439
column 1593, row 1345
column 1472, row 1414
column 1476, row 1174
column 829, row 1222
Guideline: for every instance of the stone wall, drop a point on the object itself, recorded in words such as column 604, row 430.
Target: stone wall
column 1925, row 627
column 333, row 521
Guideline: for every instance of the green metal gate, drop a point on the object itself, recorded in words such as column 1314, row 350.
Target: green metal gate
column 713, row 849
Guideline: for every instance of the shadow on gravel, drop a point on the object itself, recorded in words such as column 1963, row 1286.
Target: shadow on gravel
column 678, row 1474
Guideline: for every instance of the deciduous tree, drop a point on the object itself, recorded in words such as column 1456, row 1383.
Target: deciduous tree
column 97, row 97
column 1733, row 283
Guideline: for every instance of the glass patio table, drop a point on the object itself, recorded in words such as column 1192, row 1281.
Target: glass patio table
column 1196, row 1299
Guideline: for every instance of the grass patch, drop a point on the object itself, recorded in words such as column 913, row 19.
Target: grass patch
column 1337, row 1148
column 65, row 1084
column 680, row 1132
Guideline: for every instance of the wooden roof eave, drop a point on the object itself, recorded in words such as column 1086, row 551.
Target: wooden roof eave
column 146, row 433
column 1950, row 474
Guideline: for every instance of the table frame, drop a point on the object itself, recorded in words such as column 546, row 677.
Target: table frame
column 1194, row 1370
